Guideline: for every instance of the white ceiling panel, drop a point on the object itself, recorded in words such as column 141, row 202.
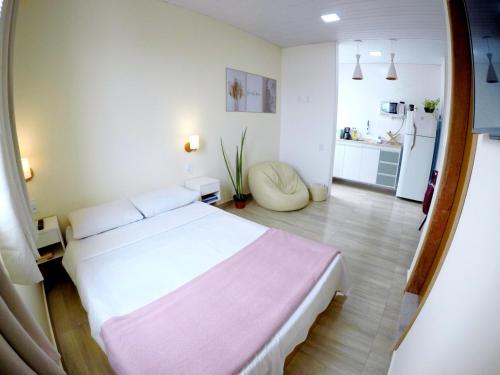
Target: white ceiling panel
column 295, row 22
column 408, row 51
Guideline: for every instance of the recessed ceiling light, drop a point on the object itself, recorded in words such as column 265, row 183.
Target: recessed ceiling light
column 375, row 53
column 332, row 17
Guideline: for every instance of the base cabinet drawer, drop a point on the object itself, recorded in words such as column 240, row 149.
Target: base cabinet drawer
column 210, row 188
column 47, row 238
column 387, row 168
column 388, row 181
column 389, row 156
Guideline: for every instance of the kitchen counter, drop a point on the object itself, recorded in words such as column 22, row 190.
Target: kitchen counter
column 368, row 143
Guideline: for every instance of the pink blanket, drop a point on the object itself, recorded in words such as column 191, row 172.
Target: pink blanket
column 219, row 321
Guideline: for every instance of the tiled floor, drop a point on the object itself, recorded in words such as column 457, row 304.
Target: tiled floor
column 377, row 234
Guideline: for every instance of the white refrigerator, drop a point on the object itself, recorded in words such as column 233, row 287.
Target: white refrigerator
column 418, row 149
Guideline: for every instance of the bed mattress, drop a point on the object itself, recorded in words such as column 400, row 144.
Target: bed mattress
column 121, row 270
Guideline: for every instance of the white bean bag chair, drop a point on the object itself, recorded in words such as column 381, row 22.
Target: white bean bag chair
column 276, row 186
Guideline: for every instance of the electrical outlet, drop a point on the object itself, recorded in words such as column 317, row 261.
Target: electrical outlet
column 33, row 206
column 188, row 168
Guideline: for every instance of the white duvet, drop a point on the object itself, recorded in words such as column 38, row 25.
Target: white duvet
column 118, row 271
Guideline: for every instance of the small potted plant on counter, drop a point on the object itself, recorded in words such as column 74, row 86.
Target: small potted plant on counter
column 430, row 105
column 239, row 197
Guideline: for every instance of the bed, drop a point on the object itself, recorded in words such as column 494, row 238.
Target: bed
column 124, row 269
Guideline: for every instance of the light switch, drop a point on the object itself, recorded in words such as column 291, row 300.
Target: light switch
column 33, row 206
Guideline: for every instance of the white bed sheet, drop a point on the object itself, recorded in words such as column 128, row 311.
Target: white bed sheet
column 117, row 272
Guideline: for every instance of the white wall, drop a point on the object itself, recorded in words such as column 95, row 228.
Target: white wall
column 359, row 101
column 107, row 92
column 309, row 110
column 457, row 331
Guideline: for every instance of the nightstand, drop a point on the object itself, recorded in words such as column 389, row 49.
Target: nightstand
column 209, row 188
column 50, row 243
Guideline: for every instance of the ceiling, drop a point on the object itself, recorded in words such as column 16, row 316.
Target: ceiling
column 408, row 51
column 289, row 23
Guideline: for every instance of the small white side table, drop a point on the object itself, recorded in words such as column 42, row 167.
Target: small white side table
column 209, row 188
column 50, row 243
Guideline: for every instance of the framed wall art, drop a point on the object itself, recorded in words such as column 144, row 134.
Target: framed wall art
column 247, row 92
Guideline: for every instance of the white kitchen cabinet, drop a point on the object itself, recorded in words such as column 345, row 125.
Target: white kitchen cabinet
column 367, row 162
column 338, row 162
column 369, row 165
column 352, row 163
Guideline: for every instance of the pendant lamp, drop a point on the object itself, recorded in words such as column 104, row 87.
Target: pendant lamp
column 491, row 76
column 357, row 74
column 391, row 74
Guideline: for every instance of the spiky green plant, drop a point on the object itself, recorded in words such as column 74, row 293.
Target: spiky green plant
column 237, row 178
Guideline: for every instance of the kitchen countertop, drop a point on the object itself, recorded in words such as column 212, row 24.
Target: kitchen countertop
column 368, row 143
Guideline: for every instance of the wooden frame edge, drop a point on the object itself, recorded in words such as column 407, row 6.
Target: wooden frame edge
column 462, row 100
column 446, row 247
column 458, row 153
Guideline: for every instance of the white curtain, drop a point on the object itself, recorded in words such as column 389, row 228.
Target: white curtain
column 17, row 231
column 24, row 347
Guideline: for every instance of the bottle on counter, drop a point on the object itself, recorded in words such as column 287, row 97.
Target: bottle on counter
column 355, row 134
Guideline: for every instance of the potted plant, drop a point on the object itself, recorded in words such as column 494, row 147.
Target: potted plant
column 239, row 197
column 430, row 105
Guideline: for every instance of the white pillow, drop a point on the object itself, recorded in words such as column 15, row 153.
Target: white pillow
column 158, row 201
column 97, row 219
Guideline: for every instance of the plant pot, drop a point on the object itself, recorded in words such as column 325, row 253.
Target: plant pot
column 240, row 202
column 429, row 110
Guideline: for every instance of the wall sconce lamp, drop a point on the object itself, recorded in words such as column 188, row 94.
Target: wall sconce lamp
column 27, row 171
column 193, row 144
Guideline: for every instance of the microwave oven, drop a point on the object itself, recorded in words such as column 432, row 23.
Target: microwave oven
column 392, row 108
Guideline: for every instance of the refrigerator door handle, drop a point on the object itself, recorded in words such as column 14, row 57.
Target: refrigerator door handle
column 414, row 136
